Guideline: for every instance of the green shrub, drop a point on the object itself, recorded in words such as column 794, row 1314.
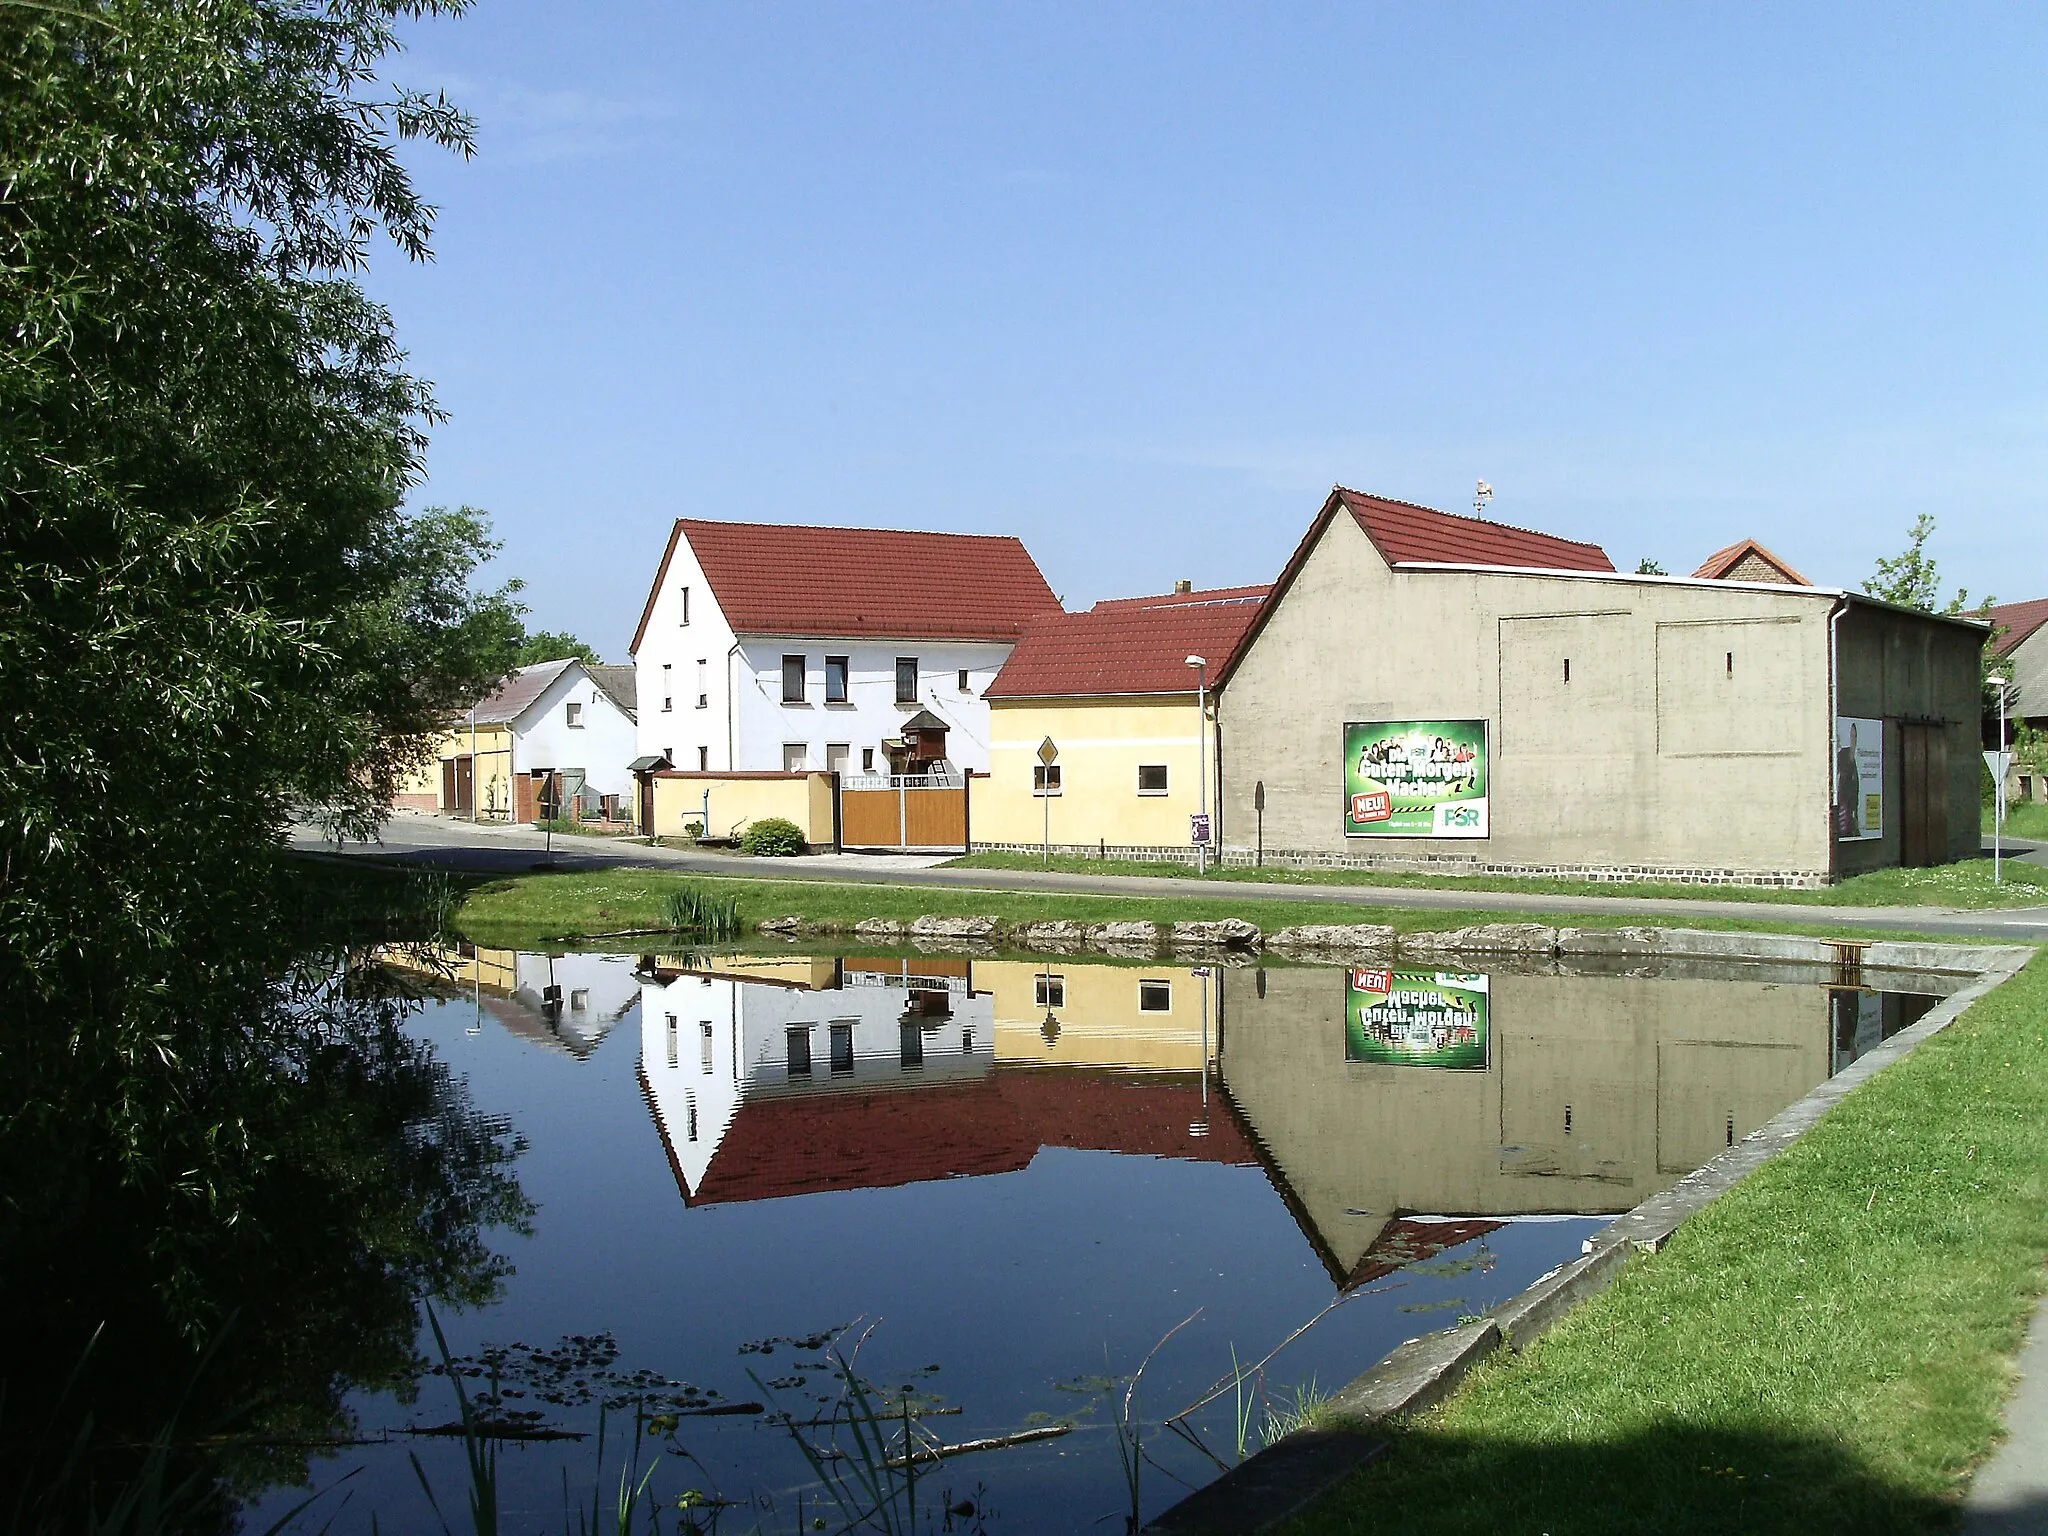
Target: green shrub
column 773, row 836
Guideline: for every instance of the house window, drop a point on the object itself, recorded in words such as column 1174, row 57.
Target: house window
column 910, row 1051
column 1049, row 991
column 797, row 1043
column 963, row 679
column 1151, row 778
column 574, row 713
column 703, row 759
column 842, row 1048
column 906, row 679
column 579, row 1000
column 703, row 691
column 1045, row 779
column 836, row 755
column 1155, row 997
column 793, row 755
column 690, row 1116
column 685, row 594
column 835, row 679
column 671, row 1039
column 704, row 1046
column 668, row 687
column 792, row 679
column 867, row 759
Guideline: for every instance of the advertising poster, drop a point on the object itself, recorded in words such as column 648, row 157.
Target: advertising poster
column 1859, row 779
column 1415, row 778
column 1417, row 1019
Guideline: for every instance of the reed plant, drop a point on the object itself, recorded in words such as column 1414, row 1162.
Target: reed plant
column 703, row 914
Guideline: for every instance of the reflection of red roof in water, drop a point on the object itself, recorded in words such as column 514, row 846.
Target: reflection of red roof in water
column 811, row 1143
column 1405, row 1240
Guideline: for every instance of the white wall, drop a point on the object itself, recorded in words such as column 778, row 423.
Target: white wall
column 597, row 991
column 871, row 711
column 749, row 1050
column 601, row 746
column 682, row 730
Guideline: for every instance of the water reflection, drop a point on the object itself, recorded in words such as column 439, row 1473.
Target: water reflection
column 567, row 1002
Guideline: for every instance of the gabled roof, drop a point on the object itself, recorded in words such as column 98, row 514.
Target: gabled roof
column 1403, row 533
column 886, row 583
column 1747, row 560
column 1134, row 645
column 619, row 684
column 2019, row 620
column 513, row 697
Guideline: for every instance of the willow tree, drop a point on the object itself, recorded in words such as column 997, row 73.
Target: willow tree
column 214, row 608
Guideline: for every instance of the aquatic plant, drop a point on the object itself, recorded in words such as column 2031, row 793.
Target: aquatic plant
column 693, row 910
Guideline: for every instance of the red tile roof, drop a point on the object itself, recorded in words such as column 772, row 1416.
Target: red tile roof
column 1402, row 531
column 810, row 1143
column 1721, row 564
column 2019, row 620
column 782, row 579
column 1129, row 645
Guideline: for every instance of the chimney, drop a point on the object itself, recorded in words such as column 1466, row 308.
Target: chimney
column 1183, row 586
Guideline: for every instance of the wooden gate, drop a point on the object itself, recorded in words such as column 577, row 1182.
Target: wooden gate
column 901, row 813
column 1923, row 795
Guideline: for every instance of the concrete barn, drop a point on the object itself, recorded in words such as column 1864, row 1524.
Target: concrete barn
column 1424, row 690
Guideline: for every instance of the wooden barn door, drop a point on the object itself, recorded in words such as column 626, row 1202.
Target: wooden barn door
column 1923, row 792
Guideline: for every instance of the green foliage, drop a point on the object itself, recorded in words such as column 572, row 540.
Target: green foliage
column 542, row 645
column 1912, row 580
column 1648, row 567
column 773, row 836
column 693, row 910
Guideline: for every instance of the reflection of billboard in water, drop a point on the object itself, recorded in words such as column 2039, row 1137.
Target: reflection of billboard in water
column 1417, row 1019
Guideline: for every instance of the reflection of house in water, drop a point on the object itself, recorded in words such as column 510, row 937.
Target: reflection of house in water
column 782, row 1075
column 566, row 1002
column 1600, row 1091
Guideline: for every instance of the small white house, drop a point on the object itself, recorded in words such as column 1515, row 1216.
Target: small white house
column 772, row 648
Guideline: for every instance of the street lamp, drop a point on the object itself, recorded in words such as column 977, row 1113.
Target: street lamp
column 1201, row 666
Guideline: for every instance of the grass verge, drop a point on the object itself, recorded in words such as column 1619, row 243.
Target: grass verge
column 525, row 910
column 1824, row 1349
column 2026, row 819
column 1966, row 884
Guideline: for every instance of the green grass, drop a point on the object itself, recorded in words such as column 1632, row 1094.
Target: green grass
column 2027, row 820
column 1822, row 1350
column 525, row 910
column 1967, row 884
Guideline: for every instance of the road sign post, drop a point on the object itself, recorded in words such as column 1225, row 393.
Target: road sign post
column 1048, row 754
column 2000, row 764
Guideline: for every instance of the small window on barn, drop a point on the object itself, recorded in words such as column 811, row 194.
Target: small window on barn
column 792, row 679
column 1152, row 778
column 1155, row 997
column 575, row 713
column 835, row 679
column 906, row 679
column 1045, row 780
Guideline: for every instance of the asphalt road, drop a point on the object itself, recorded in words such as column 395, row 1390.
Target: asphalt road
column 489, row 849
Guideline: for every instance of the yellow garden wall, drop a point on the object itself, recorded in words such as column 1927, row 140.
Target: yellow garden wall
column 739, row 799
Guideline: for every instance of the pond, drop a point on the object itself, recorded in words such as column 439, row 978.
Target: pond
column 1007, row 1181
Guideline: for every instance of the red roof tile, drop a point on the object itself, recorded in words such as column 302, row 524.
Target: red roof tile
column 782, row 579
column 1721, row 564
column 1129, row 646
column 2019, row 620
column 1403, row 532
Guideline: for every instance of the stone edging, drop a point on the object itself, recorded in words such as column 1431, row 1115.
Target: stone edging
column 1285, row 1477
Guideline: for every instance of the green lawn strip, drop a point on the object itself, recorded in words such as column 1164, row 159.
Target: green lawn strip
column 1823, row 1349
column 525, row 909
column 2026, row 820
column 1966, row 884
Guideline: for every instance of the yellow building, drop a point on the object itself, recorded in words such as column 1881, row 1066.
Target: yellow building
column 1061, row 1012
column 1114, row 691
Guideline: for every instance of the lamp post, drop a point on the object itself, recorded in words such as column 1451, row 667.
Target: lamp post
column 1201, row 666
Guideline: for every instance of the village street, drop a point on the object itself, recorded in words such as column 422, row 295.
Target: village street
column 486, row 848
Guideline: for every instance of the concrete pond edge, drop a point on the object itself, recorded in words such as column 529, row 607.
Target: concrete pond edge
column 1287, row 1476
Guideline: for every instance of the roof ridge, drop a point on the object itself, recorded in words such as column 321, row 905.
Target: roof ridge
column 1466, row 517
column 924, row 533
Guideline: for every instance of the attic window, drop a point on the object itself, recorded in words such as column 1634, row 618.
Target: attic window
column 685, row 596
column 574, row 712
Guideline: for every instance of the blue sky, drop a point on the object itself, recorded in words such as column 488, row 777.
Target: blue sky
column 1138, row 283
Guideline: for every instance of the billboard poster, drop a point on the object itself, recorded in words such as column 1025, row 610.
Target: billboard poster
column 1417, row 1019
column 1415, row 778
column 1859, row 779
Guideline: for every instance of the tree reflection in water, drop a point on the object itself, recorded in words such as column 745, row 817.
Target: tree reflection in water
column 211, row 1233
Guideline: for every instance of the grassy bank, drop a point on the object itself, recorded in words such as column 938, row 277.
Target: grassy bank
column 525, row 910
column 1822, row 1350
column 1967, row 884
column 2023, row 819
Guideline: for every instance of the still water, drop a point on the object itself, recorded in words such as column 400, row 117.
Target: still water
column 1009, row 1180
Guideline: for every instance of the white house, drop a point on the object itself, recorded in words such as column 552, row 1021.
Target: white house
column 547, row 735
column 765, row 647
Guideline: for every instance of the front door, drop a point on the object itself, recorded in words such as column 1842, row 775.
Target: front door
column 1923, row 791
